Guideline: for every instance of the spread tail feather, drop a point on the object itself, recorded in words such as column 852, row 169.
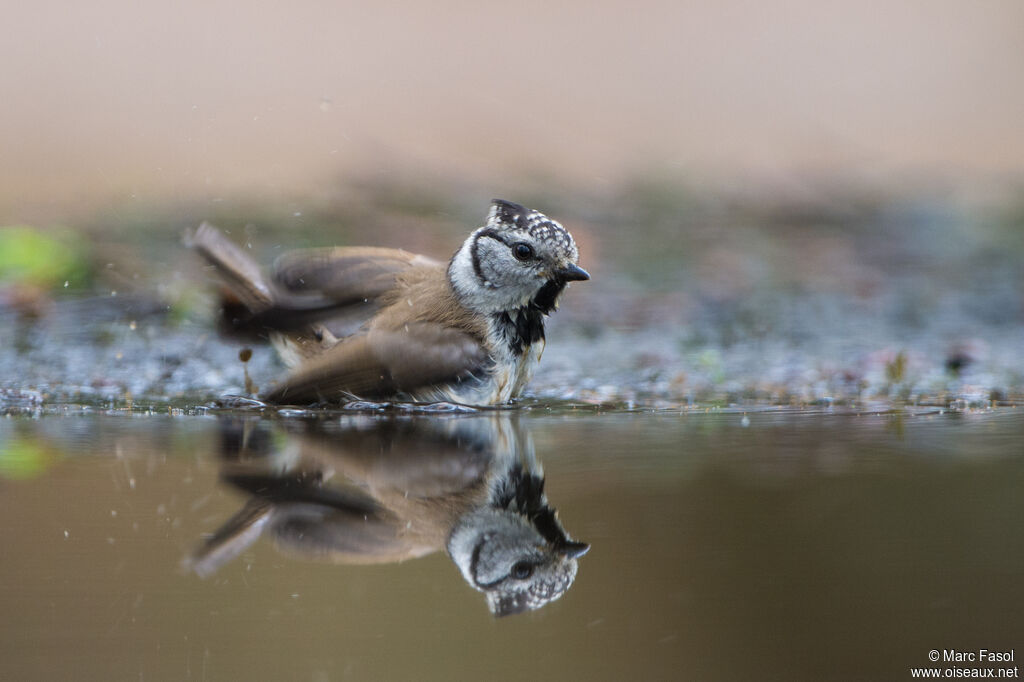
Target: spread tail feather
column 239, row 273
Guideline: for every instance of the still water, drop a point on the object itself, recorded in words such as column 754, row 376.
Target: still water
column 778, row 544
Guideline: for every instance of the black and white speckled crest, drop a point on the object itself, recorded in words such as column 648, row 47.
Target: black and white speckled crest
column 508, row 215
column 549, row 584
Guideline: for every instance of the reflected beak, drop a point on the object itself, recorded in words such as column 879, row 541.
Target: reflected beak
column 573, row 550
column 572, row 273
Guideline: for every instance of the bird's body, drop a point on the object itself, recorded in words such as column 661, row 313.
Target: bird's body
column 374, row 323
column 365, row 490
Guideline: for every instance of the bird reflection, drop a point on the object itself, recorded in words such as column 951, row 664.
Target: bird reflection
column 368, row 490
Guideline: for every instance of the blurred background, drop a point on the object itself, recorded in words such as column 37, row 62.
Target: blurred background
column 778, row 201
column 789, row 203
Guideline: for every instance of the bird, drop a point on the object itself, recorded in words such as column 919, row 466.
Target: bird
column 369, row 323
column 370, row 490
column 513, row 548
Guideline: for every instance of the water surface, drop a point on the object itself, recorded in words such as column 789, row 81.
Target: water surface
column 779, row 544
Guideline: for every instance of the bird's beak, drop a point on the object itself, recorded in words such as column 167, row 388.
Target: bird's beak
column 572, row 273
column 573, row 550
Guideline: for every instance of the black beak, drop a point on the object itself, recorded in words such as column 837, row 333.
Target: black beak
column 573, row 273
column 573, row 550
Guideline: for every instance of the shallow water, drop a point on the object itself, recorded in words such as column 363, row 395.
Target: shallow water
column 777, row 544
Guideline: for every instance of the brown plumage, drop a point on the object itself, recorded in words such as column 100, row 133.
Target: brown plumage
column 376, row 323
column 369, row 491
column 374, row 495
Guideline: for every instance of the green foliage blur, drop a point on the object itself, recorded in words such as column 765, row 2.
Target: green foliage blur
column 42, row 259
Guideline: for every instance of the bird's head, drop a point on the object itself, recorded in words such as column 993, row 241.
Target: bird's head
column 519, row 257
column 515, row 550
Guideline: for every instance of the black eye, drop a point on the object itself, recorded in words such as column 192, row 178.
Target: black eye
column 521, row 570
column 522, row 251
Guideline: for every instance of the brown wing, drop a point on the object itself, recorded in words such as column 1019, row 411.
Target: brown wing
column 344, row 275
column 342, row 536
column 382, row 363
column 332, row 289
column 339, row 288
column 421, row 458
column 339, row 525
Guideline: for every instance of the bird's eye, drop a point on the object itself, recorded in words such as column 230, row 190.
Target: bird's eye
column 521, row 570
column 522, row 251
